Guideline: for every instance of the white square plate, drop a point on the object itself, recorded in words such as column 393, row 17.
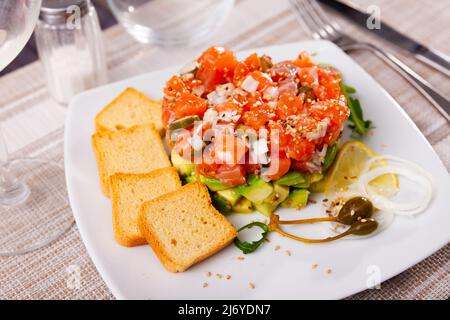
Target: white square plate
column 136, row 273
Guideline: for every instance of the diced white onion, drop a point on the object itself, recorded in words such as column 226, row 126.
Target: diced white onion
column 270, row 93
column 258, row 151
column 320, row 131
column 313, row 73
column 226, row 89
column 198, row 90
column 240, row 92
column 210, row 116
column 249, row 84
column 229, row 116
column 196, row 142
column 272, row 104
column 214, row 98
column 220, row 94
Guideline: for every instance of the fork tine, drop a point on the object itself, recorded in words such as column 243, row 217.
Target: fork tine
column 305, row 20
column 301, row 21
column 331, row 24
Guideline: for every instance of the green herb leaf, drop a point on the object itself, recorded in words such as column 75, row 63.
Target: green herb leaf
column 358, row 124
column 249, row 247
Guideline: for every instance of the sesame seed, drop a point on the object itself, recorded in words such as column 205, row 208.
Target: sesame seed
column 277, row 248
column 209, row 274
column 288, row 253
column 219, row 275
column 329, row 271
column 363, row 220
column 241, row 258
column 228, row 277
column 252, row 285
column 205, row 284
column 314, row 266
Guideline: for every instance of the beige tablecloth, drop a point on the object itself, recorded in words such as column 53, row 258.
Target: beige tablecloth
column 34, row 125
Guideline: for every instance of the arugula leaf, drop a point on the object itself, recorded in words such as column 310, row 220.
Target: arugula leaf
column 358, row 125
column 249, row 247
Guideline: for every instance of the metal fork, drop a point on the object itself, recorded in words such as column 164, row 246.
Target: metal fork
column 315, row 21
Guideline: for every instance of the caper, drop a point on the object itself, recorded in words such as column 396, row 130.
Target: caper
column 355, row 209
column 363, row 227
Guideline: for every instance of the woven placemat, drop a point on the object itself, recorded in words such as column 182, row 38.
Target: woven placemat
column 33, row 126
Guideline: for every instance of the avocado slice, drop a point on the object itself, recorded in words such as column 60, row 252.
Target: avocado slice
column 297, row 199
column 291, row 178
column 229, row 195
column 243, row 206
column 183, row 166
column 191, row 178
column 309, row 179
column 256, row 189
column 221, row 204
column 212, row 184
column 318, row 187
column 304, row 185
column 279, row 194
column 315, row 177
column 265, row 208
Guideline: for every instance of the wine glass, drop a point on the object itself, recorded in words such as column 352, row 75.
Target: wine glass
column 171, row 22
column 32, row 191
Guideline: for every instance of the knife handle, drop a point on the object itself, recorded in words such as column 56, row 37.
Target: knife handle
column 436, row 98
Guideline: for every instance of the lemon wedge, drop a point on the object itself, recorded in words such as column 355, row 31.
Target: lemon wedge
column 349, row 164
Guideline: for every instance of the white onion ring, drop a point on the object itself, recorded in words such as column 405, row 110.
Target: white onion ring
column 406, row 168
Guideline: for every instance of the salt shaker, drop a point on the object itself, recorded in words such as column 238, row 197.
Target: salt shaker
column 69, row 43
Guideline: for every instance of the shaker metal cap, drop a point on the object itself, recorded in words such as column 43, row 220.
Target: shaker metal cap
column 58, row 11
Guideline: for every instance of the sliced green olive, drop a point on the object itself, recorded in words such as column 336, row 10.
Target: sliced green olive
column 303, row 89
column 355, row 209
column 308, row 91
column 330, row 156
column 182, row 123
column 266, row 63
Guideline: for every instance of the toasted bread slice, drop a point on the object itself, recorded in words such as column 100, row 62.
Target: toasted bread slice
column 135, row 150
column 131, row 108
column 183, row 227
column 128, row 192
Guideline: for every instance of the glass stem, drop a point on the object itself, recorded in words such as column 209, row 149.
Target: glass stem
column 12, row 191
